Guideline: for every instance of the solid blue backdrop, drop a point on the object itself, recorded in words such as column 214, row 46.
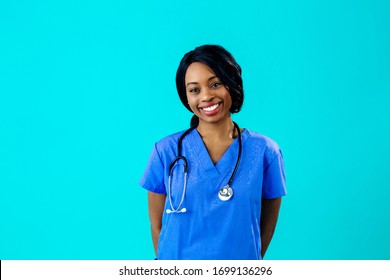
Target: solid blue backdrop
column 87, row 87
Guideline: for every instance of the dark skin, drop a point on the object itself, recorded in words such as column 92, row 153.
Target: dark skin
column 269, row 216
column 210, row 100
column 156, row 204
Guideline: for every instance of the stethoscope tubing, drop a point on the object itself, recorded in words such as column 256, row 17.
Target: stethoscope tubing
column 177, row 210
column 226, row 190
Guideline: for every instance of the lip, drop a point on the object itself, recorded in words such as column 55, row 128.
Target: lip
column 212, row 112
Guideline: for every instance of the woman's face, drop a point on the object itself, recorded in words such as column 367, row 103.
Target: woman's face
column 207, row 97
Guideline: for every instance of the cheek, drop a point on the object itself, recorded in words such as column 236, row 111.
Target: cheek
column 228, row 99
column 191, row 102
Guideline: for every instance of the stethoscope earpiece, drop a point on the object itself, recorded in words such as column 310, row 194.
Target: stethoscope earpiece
column 169, row 211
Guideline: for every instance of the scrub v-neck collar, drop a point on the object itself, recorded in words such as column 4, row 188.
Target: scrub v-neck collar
column 224, row 165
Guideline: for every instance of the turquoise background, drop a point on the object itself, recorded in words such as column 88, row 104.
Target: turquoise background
column 87, row 87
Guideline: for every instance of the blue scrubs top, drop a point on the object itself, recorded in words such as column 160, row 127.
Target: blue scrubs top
column 211, row 228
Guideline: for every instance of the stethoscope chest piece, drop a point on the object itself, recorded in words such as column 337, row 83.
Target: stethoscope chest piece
column 225, row 193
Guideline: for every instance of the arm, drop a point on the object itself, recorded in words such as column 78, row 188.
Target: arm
column 269, row 216
column 156, row 204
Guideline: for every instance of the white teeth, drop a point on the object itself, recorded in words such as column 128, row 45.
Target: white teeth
column 211, row 108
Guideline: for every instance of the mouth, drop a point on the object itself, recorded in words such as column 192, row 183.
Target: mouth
column 211, row 109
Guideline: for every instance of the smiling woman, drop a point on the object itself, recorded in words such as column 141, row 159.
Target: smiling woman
column 215, row 189
column 207, row 97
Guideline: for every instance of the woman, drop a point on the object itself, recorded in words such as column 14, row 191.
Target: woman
column 214, row 190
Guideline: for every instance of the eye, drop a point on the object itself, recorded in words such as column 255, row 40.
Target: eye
column 194, row 90
column 215, row 85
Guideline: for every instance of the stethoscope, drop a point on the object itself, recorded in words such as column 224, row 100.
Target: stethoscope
column 225, row 193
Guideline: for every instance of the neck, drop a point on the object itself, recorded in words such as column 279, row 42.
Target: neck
column 221, row 130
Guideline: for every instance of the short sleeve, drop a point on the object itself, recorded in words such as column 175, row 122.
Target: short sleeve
column 153, row 177
column 274, row 180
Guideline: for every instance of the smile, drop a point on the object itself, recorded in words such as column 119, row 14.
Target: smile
column 211, row 108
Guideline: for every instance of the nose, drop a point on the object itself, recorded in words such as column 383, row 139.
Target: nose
column 206, row 95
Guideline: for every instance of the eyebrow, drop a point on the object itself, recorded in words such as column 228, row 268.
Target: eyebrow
column 209, row 79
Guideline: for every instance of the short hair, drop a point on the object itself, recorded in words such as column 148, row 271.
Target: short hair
column 224, row 66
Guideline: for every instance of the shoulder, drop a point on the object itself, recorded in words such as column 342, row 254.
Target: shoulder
column 262, row 140
column 168, row 142
column 263, row 144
